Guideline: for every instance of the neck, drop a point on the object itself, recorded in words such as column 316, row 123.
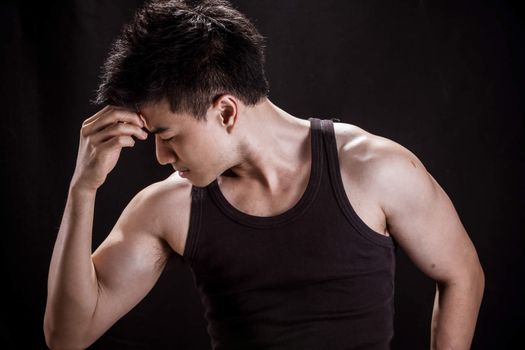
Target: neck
column 274, row 146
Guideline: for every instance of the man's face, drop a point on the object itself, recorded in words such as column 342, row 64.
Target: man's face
column 202, row 147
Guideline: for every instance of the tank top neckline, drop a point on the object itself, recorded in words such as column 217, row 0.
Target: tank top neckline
column 298, row 208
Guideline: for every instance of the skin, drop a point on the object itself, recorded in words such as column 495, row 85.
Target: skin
column 254, row 152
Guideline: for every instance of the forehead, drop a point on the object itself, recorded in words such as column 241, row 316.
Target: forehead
column 158, row 115
column 153, row 110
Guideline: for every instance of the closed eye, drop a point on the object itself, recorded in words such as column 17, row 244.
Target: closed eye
column 169, row 139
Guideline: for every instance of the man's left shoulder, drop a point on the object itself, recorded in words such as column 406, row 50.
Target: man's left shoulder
column 388, row 172
column 373, row 155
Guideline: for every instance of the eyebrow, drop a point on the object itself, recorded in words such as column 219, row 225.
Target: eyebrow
column 159, row 130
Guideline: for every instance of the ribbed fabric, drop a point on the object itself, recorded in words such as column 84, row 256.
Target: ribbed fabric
column 313, row 277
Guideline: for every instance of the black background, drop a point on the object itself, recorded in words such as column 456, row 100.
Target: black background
column 443, row 78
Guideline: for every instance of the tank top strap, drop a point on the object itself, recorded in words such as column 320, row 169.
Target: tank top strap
column 332, row 155
column 197, row 199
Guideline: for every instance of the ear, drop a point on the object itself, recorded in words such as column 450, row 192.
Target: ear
column 226, row 107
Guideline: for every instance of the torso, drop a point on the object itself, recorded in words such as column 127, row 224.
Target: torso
column 354, row 144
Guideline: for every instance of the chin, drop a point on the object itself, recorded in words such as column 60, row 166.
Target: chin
column 200, row 181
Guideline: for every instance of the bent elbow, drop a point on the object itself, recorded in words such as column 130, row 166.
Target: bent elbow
column 480, row 281
column 57, row 341
column 471, row 280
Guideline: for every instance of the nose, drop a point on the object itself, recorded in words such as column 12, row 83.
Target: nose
column 165, row 155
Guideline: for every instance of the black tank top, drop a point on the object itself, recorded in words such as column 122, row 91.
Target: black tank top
column 313, row 277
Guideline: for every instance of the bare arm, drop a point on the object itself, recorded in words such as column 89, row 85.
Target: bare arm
column 73, row 288
column 423, row 220
column 72, row 283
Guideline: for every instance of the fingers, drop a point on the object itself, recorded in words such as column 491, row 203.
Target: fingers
column 107, row 116
column 117, row 129
column 96, row 115
column 119, row 142
column 102, row 137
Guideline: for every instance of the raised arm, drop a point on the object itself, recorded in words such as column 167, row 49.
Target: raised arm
column 423, row 220
column 82, row 290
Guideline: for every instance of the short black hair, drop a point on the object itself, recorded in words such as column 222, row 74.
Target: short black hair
column 190, row 52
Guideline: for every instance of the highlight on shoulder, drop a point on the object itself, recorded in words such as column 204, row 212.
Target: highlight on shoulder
column 172, row 186
column 366, row 158
column 166, row 206
column 361, row 145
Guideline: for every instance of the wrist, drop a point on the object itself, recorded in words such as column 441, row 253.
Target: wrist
column 77, row 188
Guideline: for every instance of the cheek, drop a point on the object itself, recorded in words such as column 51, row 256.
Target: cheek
column 210, row 150
column 202, row 152
column 217, row 154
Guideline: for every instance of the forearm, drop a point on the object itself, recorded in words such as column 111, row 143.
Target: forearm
column 455, row 313
column 72, row 283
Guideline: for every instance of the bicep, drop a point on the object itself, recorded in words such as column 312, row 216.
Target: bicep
column 128, row 263
column 423, row 220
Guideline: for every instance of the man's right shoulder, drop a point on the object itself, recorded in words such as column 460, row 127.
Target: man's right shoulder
column 172, row 188
column 165, row 206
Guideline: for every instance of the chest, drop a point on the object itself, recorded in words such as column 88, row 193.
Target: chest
column 258, row 203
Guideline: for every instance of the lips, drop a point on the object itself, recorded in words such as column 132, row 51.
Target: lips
column 181, row 169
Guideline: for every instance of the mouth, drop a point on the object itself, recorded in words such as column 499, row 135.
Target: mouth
column 180, row 169
column 183, row 172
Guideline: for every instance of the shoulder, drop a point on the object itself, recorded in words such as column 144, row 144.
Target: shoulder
column 383, row 168
column 173, row 188
column 163, row 208
column 418, row 212
column 357, row 144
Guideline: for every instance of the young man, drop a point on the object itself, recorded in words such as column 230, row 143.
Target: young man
column 290, row 226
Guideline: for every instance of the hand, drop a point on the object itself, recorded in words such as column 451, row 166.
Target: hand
column 102, row 137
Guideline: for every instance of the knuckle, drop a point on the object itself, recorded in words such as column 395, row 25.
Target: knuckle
column 87, row 121
column 125, row 128
column 123, row 140
column 118, row 127
column 113, row 129
column 119, row 113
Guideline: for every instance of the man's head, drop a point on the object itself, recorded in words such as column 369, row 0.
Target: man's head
column 201, row 150
column 188, row 53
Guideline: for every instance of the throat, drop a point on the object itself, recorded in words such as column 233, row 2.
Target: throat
column 254, row 199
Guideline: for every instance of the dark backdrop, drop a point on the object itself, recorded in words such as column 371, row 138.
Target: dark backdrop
column 443, row 78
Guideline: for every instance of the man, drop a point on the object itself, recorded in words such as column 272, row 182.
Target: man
column 290, row 226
